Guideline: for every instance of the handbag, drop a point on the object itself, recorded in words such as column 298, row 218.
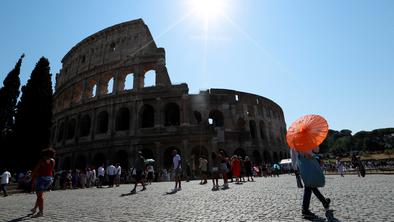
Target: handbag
column 311, row 172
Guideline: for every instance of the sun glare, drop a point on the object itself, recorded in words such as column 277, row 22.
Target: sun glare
column 208, row 9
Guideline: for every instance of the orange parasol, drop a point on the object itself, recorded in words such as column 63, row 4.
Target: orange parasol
column 307, row 132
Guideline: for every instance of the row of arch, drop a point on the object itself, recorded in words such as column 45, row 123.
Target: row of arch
column 125, row 159
column 106, row 85
column 122, row 121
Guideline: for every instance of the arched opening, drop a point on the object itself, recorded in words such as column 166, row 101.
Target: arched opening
column 93, row 91
column 241, row 123
column 102, row 122
column 147, row 153
column 66, row 163
column 99, row 159
column 262, row 130
column 267, row 156
column 147, row 116
column 84, row 128
column 122, row 119
column 71, row 128
column 167, row 157
column 150, row 78
column 240, row 152
column 171, row 115
column 252, row 128
column 80, row 162
column 60, row 132
column 122, row 157
column 129, row 82
column 217, row 118
column 197, row 116
column 110, row 85
column 197, row 152
column 256, row 157
column 275, row 157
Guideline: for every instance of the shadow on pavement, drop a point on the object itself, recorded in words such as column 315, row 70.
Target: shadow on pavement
column 21, row 218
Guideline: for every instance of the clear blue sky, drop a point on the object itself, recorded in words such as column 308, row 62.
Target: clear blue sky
column 333, row 58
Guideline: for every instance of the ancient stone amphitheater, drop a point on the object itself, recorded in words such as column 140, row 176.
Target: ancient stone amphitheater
column 104, row 111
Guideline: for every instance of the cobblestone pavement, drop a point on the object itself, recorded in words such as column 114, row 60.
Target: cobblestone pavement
column 268, row 199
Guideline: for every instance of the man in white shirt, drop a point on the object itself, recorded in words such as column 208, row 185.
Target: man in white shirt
column 118, row 173
column 177, row 170
column 111, row 171
column 100, row 174
column 5, row 180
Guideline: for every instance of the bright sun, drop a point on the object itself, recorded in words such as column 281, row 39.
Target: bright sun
column 208, row 9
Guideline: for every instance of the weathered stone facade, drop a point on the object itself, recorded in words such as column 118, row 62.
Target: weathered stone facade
column 101, row 117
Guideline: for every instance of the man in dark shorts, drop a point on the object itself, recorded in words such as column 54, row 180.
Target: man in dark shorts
column 177, row 170
column 139, row 165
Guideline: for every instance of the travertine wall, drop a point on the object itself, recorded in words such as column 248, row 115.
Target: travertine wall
column 105, row 112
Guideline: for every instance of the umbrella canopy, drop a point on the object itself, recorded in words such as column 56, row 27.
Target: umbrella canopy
column 307, row 132
column 149, row 161
column 276, row 166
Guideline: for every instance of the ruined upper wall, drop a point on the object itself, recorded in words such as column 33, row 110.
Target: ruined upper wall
column 114, row 45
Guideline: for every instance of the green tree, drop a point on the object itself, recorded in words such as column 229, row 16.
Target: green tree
column 34, row 114
column 9, row 94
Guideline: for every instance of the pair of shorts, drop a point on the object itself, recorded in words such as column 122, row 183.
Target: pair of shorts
column 223, row 168
column 178, row 172
column 43, row 183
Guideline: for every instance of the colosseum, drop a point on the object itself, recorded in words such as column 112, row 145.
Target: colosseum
column 105, row 111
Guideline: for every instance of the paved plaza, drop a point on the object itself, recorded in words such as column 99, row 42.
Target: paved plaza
column 268, row 199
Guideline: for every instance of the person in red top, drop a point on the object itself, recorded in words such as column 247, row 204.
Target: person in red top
column 236, row 168
column 43, row 176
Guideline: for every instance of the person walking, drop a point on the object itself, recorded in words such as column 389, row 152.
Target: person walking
column 111, row 172
column 236, row 169
column 118, row 174
column 203, row 166
column 215, row 171
column 223, row 169
column 5, row 180
column 150, row 173
column 340, row 167
column 177, row 163
column 248, row 168
column 138, row 168
column 100, row 174
column 297, row 159
column 43, row 176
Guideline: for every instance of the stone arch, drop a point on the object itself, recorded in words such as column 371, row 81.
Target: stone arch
column 128, row 82
column 275, row 157
column 241, row 123
column 77, row 93
column 256, row 157
column 171, row 114
column 91, row 88
column 150, row 78
column 110, row 86
column 122, row 119
column 60, row 132
column 252, row 128
column 98, row 159
column 263, row 135
column 240, row 152
column 122, row 157
column 66, row 165
column 80, row 162
column 147, row 153
column 105, row 84
column 84, row 125
column 167, row 156
column 71, row 125
column 217, row 118
column 267, row 156
column 102, row 122
column 147, row 116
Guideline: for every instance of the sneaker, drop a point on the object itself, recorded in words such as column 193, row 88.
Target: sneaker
column 143, row 189
column 308, row 214
column 327, row 204
column 133, row 191
column 179, row 189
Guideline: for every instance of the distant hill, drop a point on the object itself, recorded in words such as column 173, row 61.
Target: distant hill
column 341, row 142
